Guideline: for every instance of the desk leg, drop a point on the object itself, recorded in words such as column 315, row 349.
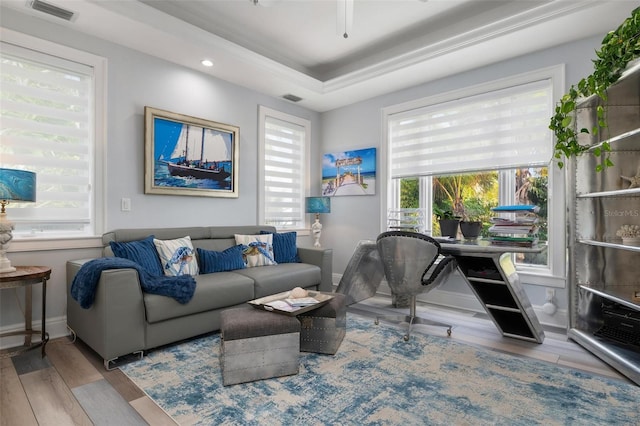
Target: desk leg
column 28, row 297
column 45, row 336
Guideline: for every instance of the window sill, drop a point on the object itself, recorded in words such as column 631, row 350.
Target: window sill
column 41, row 244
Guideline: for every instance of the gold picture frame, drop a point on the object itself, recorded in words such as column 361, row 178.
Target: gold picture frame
column 192, row 156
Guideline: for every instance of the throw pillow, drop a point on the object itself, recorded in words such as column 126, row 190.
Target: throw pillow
column 285, row 249
column 258, row 249
column 219, row 261
column 177, row 256
column 143, row 252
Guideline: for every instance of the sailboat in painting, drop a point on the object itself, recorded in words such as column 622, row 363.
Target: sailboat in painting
column 199, row 153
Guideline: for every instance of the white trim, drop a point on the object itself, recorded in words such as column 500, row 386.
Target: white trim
column 56, row 327
column 66, row 243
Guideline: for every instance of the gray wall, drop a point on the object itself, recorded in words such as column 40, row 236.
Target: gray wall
column 136, row 80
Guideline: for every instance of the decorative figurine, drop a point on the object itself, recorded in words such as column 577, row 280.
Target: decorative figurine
column 634, row 181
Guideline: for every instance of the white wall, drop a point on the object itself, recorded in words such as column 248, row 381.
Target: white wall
column 136, row 80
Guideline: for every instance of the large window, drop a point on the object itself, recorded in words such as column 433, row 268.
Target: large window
column 476, row 148
column 51, row 112
column 284, row 152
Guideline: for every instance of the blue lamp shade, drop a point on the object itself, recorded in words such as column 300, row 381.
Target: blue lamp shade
column 318, row 205
column 17, row 185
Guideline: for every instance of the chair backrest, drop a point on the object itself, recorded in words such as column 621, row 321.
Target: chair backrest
column 406, row 256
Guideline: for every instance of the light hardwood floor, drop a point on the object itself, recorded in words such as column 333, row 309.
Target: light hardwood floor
column 71, row 387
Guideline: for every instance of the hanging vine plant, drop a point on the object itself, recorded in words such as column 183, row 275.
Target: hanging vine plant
column 618, row 48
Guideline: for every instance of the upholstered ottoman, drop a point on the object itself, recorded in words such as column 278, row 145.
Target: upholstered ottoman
column 257, row 345
column 322, row 329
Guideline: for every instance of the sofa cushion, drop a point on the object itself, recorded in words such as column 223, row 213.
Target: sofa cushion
column 285, row 249
column 258, row 250
column 282, row 277
column 219, row 261
column 177, row 256
column 143, row 252
column 213, row 291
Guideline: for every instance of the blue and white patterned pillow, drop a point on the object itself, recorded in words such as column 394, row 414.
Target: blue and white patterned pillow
column 257, row 250
column 177, row 256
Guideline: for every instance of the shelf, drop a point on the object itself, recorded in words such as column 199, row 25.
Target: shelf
column 619, row 246
column 617, row 138
column 493, row 279
column 614, row 193
column 623, row 359
column 485, row 280
column 604, row 274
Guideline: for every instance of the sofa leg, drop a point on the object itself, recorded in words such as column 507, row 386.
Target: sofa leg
column 110, row 364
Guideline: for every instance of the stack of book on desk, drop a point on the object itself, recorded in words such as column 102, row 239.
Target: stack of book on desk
column 518, row 229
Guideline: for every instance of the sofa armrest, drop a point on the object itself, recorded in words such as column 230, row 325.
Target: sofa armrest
column 114, row 325
column 323, row 258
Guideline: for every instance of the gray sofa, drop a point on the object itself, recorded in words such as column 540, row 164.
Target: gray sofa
column 124, row 320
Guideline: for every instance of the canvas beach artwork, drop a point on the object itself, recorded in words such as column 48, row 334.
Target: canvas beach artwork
column 349, row 173
column 189, row 156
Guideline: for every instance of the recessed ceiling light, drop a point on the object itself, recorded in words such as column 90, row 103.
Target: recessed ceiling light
column 206, row 63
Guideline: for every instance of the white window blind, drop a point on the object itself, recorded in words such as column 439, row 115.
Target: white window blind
column 495, row 130
column 284, row 175
column 47, row 127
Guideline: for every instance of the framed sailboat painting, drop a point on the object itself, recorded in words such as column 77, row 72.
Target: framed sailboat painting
column 189, row 156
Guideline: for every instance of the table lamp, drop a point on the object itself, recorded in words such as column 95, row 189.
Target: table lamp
column 318, row 205
column 15, row 185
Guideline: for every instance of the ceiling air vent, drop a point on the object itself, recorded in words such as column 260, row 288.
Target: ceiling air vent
column 292, row 98
column 51, row 9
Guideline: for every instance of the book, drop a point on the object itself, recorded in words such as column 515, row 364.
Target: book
column 301, row 302
column 517, row 208
column 280, row 305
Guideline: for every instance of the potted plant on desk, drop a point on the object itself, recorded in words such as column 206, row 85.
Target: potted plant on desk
column 448, row 222
column 470, row 226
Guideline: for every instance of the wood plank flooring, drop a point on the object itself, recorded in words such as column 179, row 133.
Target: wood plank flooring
column 71, row 387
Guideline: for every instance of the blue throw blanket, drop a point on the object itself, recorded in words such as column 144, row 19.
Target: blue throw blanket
column 83, row 287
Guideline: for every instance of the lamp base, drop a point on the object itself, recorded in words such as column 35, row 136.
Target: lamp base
column 316, row 229
column 5, row 264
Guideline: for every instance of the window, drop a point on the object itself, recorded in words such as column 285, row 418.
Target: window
column 284, row 147
column 479, row 147
column 51, row 112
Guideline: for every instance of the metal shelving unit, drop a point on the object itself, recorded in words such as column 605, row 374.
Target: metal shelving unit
column 604, row 274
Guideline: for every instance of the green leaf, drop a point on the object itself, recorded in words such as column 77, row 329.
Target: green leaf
column 567, row 107
column 599, row 168
column 566, row 122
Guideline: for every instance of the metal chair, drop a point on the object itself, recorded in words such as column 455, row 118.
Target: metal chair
column 409, row 265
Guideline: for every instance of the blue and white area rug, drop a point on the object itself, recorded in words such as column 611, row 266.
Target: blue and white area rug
column 377, row 378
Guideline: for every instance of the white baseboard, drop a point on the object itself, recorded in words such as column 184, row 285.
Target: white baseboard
column 56, row 327
column 468, row 302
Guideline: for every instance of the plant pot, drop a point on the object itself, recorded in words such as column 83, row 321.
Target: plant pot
column 470, row 230
column 449, row 227
column 631, row 241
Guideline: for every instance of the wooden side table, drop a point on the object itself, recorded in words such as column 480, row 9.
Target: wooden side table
column 26, row 276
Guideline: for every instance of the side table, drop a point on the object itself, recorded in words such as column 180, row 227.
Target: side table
column 26, row 276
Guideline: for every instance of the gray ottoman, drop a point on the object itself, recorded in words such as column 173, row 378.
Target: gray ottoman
column 323, row 329
column 257, row 345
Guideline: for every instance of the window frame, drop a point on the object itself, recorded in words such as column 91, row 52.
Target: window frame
column 263, row 113
column 98, row 135
column 553, row 275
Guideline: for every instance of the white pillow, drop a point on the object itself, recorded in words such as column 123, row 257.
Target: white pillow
column 257, row 250
column 177, row 256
